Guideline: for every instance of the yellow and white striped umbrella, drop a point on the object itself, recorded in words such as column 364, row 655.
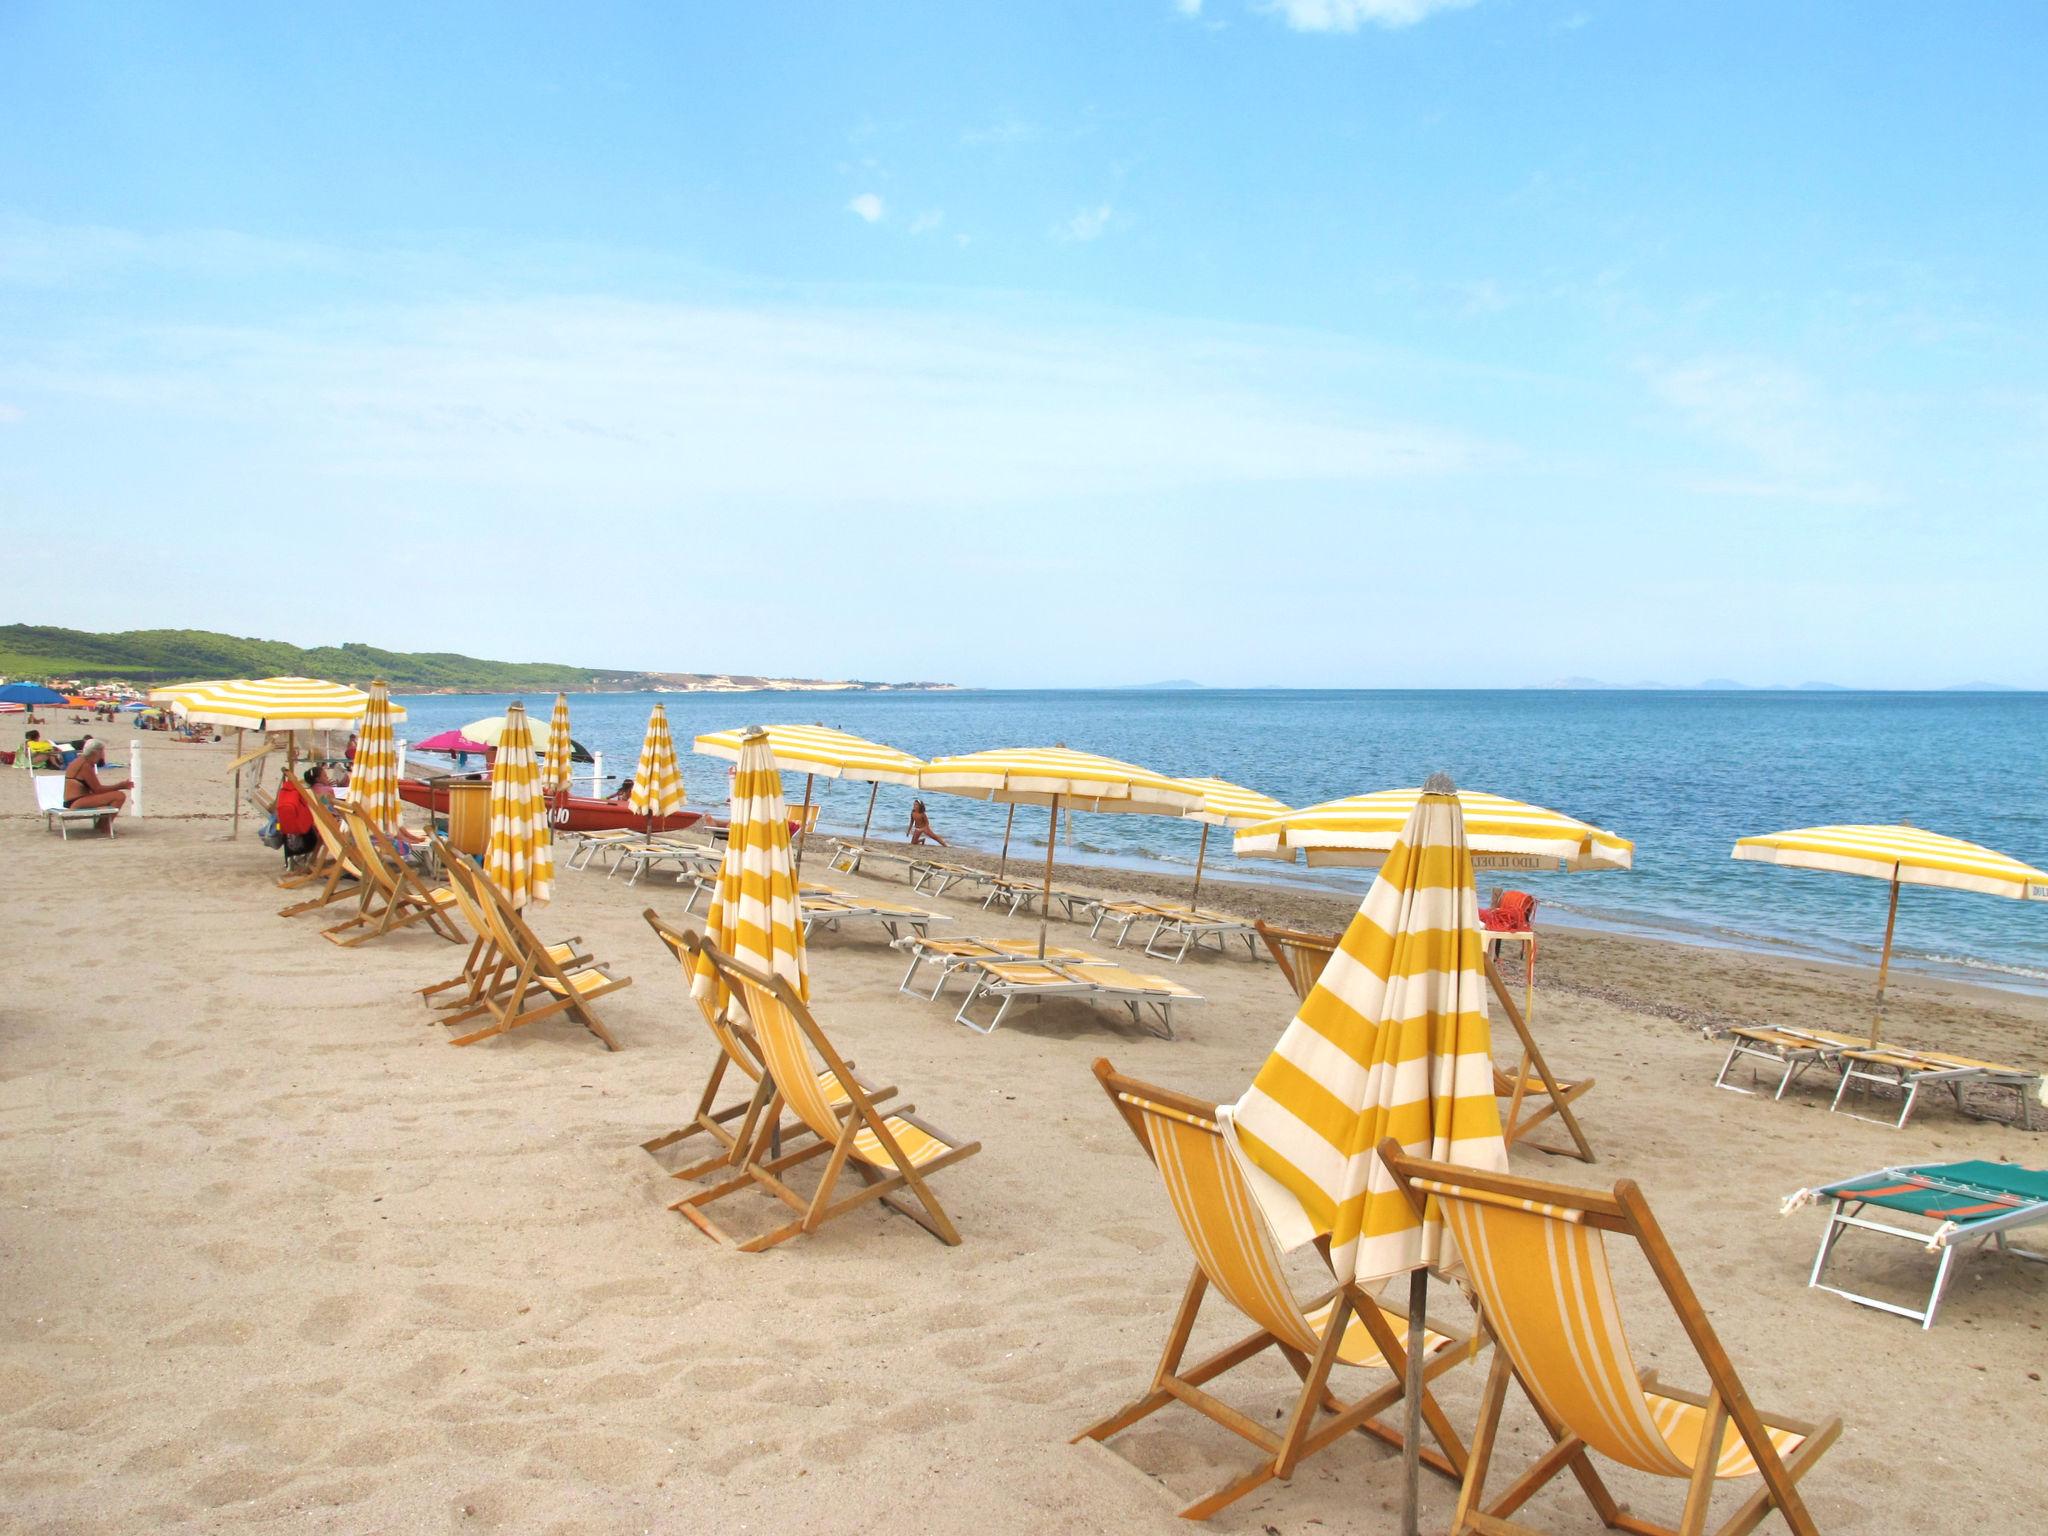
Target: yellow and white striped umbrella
column 754, row 916
column 1225, row 804
column 520, row 854
column 373, row 786
column 270, row 704
column 554, row 768
column 820, row 752
column 1501, row 833
column 1392, row 1041
column 657, row 782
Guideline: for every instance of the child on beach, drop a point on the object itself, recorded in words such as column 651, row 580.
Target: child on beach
column 921, row 827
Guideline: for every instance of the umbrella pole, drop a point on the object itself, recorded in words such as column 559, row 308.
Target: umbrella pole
column 1003, row 864
column 803, row 823
column 1884, row 964
column 1201, row 853
column 873, row 790
column 1411, row 1436
column 1045, row 898
column 235, row 824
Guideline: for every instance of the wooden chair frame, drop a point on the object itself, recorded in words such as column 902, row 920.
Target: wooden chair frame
column 334, row 868
column 486, row 970
column 761, row 1169
column 1626, row 1212
column 404, row 900
column 737, row 1048
column 536, row 975
column 1301, row 1437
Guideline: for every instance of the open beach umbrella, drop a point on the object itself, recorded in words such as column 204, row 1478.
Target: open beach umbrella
column 1501, row 833
column 30, row 694
column 1392, row 1041
column 1903, row 855
column 820, row 752
column 519, row 856
column 1049, row 775
column 1225, row 804
column 657, row 782
column 287, row 704
column 373, row 787
column 754, row 916
column 455, row 744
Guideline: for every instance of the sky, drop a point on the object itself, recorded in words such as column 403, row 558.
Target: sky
column 1375, row 343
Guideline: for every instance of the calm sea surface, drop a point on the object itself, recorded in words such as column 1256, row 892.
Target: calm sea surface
column 1683, row 774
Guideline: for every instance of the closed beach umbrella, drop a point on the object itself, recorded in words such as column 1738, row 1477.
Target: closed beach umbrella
column 754, row 915
column 1903, row 855
column 373, row 787
column 820, row 752
column 1501, row 833
column 1392, row 1041
column 520, row 855
column 657, row 782
column 1225, row 804
column 554, row 768
column 1049, row 776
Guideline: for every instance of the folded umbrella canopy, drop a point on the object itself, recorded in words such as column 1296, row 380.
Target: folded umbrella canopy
column 1392, row 1041
column 1049, row 775
column 561, row 752
column 373, row 787
column 519, row 856
column 820, row 752
column 754, row 916
column 1904, row 855
column 657, row 782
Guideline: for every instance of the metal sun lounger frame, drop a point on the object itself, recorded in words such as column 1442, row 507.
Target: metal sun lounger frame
column 1947, row 1239
column 1191, row 925
column 1856, row 1060
column 954, row 954
column 1793, row 1051
column 821, row 911
column 1074, row 979
column 692, row 860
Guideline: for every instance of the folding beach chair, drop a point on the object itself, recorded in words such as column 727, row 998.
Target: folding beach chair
column 488, row 968
column 1971, row 1204
column 737, row 1047
column 950, row 955
column 1536, row 1257
column 1909, row 1070
column 334, row 865
column 1534, row 1093
column 847, row 859
column 894, row 917
column 393, row 897
column 1234, row 1257
column 541, row 986
column 1794, row 1052
column 1094, row 982
column 892, row 1154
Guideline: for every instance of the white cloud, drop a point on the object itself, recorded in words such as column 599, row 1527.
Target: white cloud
column 1788, row 436
column 1350, row 15
column 1086, row 224
column 1188, row 7
column 868, row 206
column 1010, row 130
column 928, row 221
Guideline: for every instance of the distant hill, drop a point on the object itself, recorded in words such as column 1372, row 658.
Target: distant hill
column 149, row 657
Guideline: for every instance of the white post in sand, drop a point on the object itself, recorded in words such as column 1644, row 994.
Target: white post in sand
column 597, row 775
column 401, row 757
column 135, row 773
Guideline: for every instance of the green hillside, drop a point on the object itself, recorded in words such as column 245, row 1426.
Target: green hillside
column 154, row 656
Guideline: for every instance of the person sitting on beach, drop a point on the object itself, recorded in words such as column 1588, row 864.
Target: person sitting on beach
column 921, row 827
column 294, row 820
column 84, row 791
column 41, row 753
column 624, row 792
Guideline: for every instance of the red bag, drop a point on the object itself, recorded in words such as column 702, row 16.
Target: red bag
column 1513, row 912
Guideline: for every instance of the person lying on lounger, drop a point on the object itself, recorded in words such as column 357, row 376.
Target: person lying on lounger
column 921, row 827
column 84, row 791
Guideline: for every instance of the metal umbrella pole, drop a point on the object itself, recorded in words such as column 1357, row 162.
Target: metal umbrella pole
column 1045, row 897
column 1003, row 864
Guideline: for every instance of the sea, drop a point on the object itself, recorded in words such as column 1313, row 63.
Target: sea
column 1683, row 774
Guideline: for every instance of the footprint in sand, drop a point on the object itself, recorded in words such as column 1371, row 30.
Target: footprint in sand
column 332, row 1320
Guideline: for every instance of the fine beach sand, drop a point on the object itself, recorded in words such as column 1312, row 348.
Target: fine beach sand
column 276, row 1257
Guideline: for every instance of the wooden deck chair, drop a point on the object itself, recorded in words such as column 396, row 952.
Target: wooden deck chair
column 393, row 897
column 334, row 866
column 541, row 985
column 488, row 968
column 1534, row 1093
column 1235, row 1258
column 737, row 1047
column 1536, row 1255
column 892, row 1155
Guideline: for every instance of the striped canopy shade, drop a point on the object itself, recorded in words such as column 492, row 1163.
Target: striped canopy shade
column 754, row 916
column 1500, row 833
column 271, row 704
column 1225, row 804
column 554, row 767
column 1902, row 853
column 1080, row 780
column 1392, row 1041
column 820, row 751
column 373, row 786
column 520, row 856
column 657, row 782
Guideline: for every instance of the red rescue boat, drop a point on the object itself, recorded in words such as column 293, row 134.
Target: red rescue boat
column 569, row 813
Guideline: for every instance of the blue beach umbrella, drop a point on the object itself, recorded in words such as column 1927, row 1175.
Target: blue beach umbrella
column 29, row 693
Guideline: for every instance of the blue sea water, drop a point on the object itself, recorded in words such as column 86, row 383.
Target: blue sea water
column 1683, row 774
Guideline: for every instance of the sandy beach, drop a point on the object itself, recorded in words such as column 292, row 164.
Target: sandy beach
column 277, row 1258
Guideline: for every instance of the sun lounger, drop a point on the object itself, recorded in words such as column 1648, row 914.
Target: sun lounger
column 892, row 1154
column 1234, row 1259
column 542, row 985
column 393, row 897
column 590, row 844
column 1536, row 1258
column 1972, row 1204
column 932, row 877
column 1792, row 1051
column 50, row 806
column 849, row 858
column 737, row 1047
column 692, row 860
column 1097, row 982
column 1192, row 926
column 829, row 911
column 950, row 955
column 1910, row 1070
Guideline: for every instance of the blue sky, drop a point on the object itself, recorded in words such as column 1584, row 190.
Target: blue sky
column 1315, row 342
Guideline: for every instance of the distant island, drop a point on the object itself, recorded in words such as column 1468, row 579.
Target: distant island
column 1169, row 684
column 150, row 657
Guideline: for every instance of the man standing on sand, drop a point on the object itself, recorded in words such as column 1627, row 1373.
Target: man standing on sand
column 83, row 790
